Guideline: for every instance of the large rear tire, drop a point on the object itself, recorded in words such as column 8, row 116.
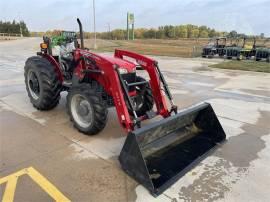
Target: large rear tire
column 257, row 59
column 144, row 101
column 211, row 55
column 239, row 57
column 42, row 84
column 87, row 109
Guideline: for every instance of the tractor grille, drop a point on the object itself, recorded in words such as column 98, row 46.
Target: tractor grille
column 130, row 77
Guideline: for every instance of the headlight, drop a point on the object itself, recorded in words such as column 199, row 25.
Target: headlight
column 43, row 46
column 122, row 71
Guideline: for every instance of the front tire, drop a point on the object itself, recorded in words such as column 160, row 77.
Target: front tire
column 87, row 109
column 42, row 84
column 144, row 101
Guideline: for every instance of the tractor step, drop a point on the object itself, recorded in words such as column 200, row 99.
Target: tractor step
column 137, row 83
column 67, row 83
column 150, row 114
column 157, row 155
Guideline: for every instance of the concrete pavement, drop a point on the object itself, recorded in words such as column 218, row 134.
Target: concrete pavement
column 85, row 168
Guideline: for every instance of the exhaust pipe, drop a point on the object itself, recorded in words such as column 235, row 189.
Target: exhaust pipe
column 81, row 33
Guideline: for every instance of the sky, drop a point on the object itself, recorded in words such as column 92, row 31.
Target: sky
column 249, row 16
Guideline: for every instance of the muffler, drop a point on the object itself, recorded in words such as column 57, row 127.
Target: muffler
column 157, row 155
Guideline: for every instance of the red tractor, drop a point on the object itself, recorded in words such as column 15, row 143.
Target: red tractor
column 155, row 155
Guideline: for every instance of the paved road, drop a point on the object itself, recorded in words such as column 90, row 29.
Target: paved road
column 86, row 168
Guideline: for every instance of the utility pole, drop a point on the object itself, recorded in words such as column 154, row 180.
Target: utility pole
column 109, row 27
column 20, row 24
column 94, row 15
column 21, row 29
column 127, row 26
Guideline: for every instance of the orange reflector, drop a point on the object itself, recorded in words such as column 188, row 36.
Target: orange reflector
column 43, row 46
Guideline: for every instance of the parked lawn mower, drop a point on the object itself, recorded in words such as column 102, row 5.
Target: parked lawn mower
column 215, row 47
column 155, row 155
column 263, row 52
column 239, row 52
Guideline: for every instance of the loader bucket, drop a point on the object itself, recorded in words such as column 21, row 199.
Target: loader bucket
column 159, row 154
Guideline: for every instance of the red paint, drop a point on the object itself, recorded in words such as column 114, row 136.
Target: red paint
column 110, row 81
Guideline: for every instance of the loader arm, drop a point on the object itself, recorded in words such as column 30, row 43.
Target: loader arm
column 106, row 75
column 155, row 75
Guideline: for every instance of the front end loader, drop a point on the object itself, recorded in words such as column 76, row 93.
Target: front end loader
column 263, row 52
column 155, row 155
column 246, row 50
column 215, row 46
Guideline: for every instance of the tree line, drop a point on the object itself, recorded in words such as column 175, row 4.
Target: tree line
column 14, row 27
column 172, row 32
column 165, row 32
column 162, row 32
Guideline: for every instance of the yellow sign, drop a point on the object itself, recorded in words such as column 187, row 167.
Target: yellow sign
column 11, row 182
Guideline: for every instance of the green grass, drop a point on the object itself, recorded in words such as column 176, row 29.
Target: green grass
column 163, row 47
column 244, row 65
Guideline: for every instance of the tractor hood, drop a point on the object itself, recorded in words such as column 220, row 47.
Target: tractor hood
column 127, row 66
column 124, row 64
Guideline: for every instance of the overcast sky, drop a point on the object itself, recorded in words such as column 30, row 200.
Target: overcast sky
column 248, row 16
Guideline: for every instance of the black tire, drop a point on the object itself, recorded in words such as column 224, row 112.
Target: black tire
column 268, row 59
column 93, row 95
column 257, row 59
column 49, row 87
column 210, row 56
column 146, row 101
column 239, row 57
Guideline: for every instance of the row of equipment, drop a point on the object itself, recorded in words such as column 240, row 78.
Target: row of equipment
column 245, row 48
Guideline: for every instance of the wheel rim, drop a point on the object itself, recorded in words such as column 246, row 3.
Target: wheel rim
column 82, row 111
column 138, row 102
column 33, row 84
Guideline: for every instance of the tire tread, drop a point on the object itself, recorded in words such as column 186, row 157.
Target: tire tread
column 50, row 82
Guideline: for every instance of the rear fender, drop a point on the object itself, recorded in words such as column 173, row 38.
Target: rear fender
column 56, row 66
